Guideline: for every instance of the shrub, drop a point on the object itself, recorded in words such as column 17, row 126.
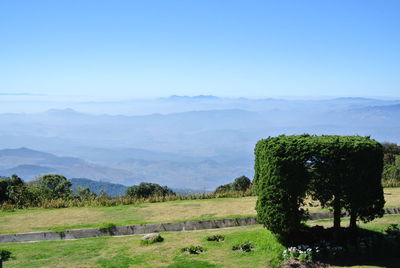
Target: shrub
column 393, row 230
column 193, row 250
column 5, row 255
column 244, row 247
column 217, row 238
column 241, row 184
column 342, row 172
column 145, row 190
column 299, row 253
column 53, row 186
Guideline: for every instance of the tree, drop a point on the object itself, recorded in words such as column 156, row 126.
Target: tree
column 84, row 193
column 53, row 186
column 342, row 172
column 241, row 184
column 15, row 191
column 391, row 160
column 224, row 188
column 145, row 190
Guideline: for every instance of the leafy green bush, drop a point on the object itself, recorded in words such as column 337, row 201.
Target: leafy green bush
column 5, row 255
column 341, row 172
column 393, row 230
column 145, row 190
column 240, row 184
column 244, row 247
column 193, row 250
column 217, row 238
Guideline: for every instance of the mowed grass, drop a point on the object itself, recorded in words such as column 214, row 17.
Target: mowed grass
column 126, row 251
column 66, row 218
column 30, row 220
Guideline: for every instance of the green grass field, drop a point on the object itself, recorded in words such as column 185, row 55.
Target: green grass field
column 126, row 251
column 31, row 220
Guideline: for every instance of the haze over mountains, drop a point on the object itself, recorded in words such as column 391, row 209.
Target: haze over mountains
column 197, row 142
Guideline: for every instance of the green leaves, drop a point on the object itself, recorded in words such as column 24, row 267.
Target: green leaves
column 344, row 169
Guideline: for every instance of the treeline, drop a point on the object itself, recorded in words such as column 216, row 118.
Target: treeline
column 54, row 191
column 391, row 168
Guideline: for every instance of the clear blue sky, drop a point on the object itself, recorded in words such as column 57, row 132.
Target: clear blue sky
column 227, row 48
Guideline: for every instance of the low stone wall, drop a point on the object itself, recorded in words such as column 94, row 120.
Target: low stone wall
column 127, row 230
column 148, row 228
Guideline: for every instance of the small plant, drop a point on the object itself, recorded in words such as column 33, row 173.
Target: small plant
column 156, row 239
column 299, row 253
column 108, row 228
column 393, row 230
column 216, row 238
column 244, row 247
column 193, row 250
column 5, row 255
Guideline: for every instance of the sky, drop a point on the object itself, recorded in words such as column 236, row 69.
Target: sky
column 145, row 49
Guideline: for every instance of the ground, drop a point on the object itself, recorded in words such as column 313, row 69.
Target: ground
column 126, row 251
column 31, row 220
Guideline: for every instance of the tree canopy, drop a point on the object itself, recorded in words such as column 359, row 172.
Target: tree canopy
column 53, row 185
column 342, row 172
column 145, row 189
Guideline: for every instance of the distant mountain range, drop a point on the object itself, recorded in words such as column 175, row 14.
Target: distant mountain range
column 30, row 164
column 183, row 142
column 112, row 189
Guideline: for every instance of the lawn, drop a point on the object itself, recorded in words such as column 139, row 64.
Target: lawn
column 30, row 220
column 126, row 251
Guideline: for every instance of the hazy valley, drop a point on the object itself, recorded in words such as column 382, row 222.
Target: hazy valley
column 198, row 143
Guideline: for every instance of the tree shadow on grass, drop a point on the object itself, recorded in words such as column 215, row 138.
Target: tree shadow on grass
column 347, row 247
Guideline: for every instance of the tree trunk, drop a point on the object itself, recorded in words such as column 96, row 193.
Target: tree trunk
column 353, row 219
column 336, row 213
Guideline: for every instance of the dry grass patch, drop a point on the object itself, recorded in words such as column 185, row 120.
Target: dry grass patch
column 208, row 208
column 85, row 217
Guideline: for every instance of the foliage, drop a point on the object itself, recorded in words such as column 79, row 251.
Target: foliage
column 15, row 191
column 193, row 250
column 145, row 190
column 84, row 193
column 244, row 247
column 217, row 238
column 106, row 200
column 393, row 230
column 391, row 169
column 5, row 255
column 300, row 253
column 53, row 186
column 241, row 183
column 342, row 172
column 224, row 188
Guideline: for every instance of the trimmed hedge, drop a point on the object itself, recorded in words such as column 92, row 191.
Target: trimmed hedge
column 342, row 172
